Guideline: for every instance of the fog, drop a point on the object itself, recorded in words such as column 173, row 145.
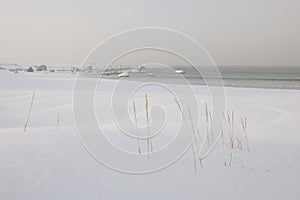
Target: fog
column 234, row 32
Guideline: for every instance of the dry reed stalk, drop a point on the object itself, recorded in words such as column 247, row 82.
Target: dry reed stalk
column 178, row 104
column 149, row 142
column 194, row 156
column 193, row 148
column 244, row 125
column 222, row 129
column 195, row 137
column 211, row 128
column 180, row 109
column 57, row 122
column 192, row 125
column 207, row 124
column 200, row 160
column 230, row 159
column 222, row 135
column 239, row 145
column 227, row 122
column 136, row 126
column 230, row 131
column 228, row 119
column 199, row 135
column 28, row 115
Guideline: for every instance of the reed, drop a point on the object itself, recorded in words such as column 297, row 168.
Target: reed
column 222, row 129
column 231, row 138
column 195, row 137
column 230, row 159
column 178, row 105
column 222, row 135
column 194, row 156
column 192, row 125
column 193, row 148
column 136, row 126
column 200, row 160
column 149, row 142
column 239, row 143
column 29, row 111
column 244, row 125
column 211, row 128
column 199, row 135
column 207, row 124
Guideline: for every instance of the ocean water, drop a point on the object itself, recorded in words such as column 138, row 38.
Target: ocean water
column 252, row 77
column 279, row 77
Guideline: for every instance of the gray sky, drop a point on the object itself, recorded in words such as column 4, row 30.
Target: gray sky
column 235, row 32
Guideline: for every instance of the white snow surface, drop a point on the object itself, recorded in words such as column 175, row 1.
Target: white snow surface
column 43, row 163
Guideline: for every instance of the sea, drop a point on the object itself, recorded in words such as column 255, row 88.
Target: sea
column 248, row 77
column 277, row 77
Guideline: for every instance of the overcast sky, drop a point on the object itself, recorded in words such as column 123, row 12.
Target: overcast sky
column 235, row 32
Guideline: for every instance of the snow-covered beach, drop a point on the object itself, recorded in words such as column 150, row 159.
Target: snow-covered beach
column 48, row 161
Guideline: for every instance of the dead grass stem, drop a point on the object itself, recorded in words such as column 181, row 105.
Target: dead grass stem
column 207, row 124
column 149, row 142
column 195, row 137
column 29, row 111
column 244, row 125
column 193, row 148
column 136, row 126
